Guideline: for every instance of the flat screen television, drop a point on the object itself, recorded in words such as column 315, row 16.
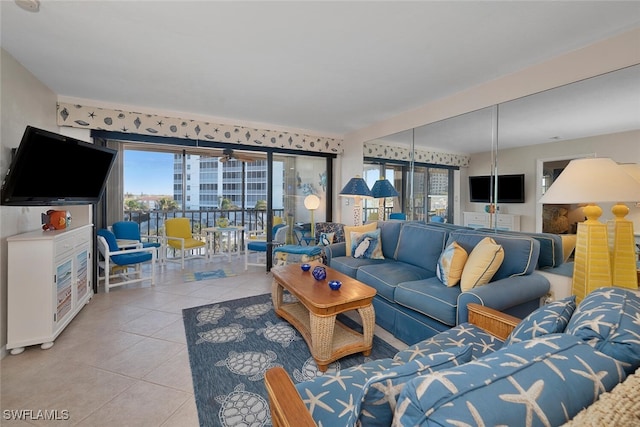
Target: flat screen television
column 52, row 169
column 510, row 188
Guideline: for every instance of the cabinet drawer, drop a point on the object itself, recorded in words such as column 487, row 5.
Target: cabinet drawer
column 64, row 244
column 476, row 218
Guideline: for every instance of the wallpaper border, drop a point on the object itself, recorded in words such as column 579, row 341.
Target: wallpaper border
column 382, row 151
column 88, row 117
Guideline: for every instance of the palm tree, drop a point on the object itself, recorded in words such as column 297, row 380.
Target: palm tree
column 167, row 204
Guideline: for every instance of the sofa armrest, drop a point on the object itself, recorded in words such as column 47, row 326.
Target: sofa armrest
column 335, row 250
column 493, row 321
column 287, row 407
column 503, row 294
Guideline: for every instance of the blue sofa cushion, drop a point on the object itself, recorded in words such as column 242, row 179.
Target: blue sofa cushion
column 609, row 320
column 420, row 245
column 380, row 392
column 551, row 254
column 463, row 335
column 551, row 318
column 520, row 252
column 430, row 298
column 386, row 276
column 349, row 265
column 389, row 234
column 544, row 381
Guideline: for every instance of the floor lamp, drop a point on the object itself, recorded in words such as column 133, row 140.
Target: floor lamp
column 312, row 202
column 356, row 188
column 590, row 181
column 381, row 190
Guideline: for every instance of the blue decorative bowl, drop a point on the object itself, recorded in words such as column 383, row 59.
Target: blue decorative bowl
column 305, row 267
column 319, row 272
column 335, row 284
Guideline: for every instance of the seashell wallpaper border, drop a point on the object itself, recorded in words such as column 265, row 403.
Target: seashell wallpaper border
column 382, row 151
column 88, row 117
column 82, row 116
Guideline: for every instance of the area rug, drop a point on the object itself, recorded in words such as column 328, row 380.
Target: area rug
column 206, row 275
column 232, row 344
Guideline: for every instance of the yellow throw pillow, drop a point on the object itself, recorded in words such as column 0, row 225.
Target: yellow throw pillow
column 483, row 262
column 358, row 229
column 451, row 264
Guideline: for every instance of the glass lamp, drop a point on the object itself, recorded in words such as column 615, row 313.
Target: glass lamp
column 590, row 181
column 312, row 202
column 381, row 190
column 356, row 188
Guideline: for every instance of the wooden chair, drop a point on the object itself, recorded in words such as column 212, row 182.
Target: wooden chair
column 178, row 236
column 117, row 263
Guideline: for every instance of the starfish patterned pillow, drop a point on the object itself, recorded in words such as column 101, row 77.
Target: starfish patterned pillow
column 549, row 319
column 381, row 392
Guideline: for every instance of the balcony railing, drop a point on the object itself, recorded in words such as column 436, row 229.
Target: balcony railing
column 152, row 222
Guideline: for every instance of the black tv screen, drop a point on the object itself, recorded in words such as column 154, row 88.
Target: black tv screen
column 53, row 169
column 510, row 188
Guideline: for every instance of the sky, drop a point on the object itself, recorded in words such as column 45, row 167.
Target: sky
column 148, row 172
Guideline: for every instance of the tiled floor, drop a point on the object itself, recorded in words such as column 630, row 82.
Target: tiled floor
column 123, row 360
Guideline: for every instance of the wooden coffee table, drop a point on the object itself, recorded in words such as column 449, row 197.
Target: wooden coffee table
column 314, row 315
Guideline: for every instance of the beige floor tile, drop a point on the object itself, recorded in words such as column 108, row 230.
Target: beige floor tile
column 185, row 416
column 172, row 332
column 174, row 373
column 151, row 322
column 143, row 404
column 141, row 358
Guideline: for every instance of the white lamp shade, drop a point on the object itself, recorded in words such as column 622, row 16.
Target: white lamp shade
column 592, row 180
column 312, row 202
column 632, row 169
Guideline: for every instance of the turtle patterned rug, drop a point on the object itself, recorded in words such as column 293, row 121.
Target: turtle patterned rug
column 232, row 344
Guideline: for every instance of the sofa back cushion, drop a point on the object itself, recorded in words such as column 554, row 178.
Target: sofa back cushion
column 389, row 235
column 551, row 248
column 520, row 252
column 420, row 245
column 608, row 319
column 551, row 318
column 544, row 381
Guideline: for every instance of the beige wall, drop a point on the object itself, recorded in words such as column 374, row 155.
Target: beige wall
column 24, row 101
column 621, row 147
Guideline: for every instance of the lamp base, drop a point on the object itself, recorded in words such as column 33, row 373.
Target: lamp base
column 622, row 247
column 592, row 265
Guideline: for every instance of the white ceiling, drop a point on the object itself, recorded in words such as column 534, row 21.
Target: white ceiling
column 328, row 68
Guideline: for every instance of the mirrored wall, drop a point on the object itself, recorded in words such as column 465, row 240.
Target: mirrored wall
column 574, row 120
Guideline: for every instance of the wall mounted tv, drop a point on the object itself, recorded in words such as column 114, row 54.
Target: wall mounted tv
column 52, row 169
column 510, row 188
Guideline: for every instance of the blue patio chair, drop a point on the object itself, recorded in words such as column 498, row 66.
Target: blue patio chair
column 129, row 230
column 116, row 263
column 256, row 242
column 398, row 215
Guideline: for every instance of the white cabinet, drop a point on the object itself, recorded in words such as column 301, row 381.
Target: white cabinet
column 49, row 281
column 483, row 220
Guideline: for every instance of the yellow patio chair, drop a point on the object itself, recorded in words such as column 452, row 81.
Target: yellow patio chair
column 178, row 236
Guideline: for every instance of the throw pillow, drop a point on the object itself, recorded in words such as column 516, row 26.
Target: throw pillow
column 380, row 392
column 483, row 262
column 451, row 263
column 366, row 245
column 325, row 239
column 358, row 229
column 607, row 319
column 549, row 319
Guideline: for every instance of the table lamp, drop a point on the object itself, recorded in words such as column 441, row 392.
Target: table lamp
column 381, row 190
column 590, row 181
column 356, row 188
column 312, row 202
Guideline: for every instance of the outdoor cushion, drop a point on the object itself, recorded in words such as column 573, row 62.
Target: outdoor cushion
column 122, row 259
column 609, row 320
column 299, row 249
column 549, row 319
column 544, row 381
column 463, row 335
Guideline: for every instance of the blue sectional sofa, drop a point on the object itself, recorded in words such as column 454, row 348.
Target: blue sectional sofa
column 552, row 365
column 413, row 304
